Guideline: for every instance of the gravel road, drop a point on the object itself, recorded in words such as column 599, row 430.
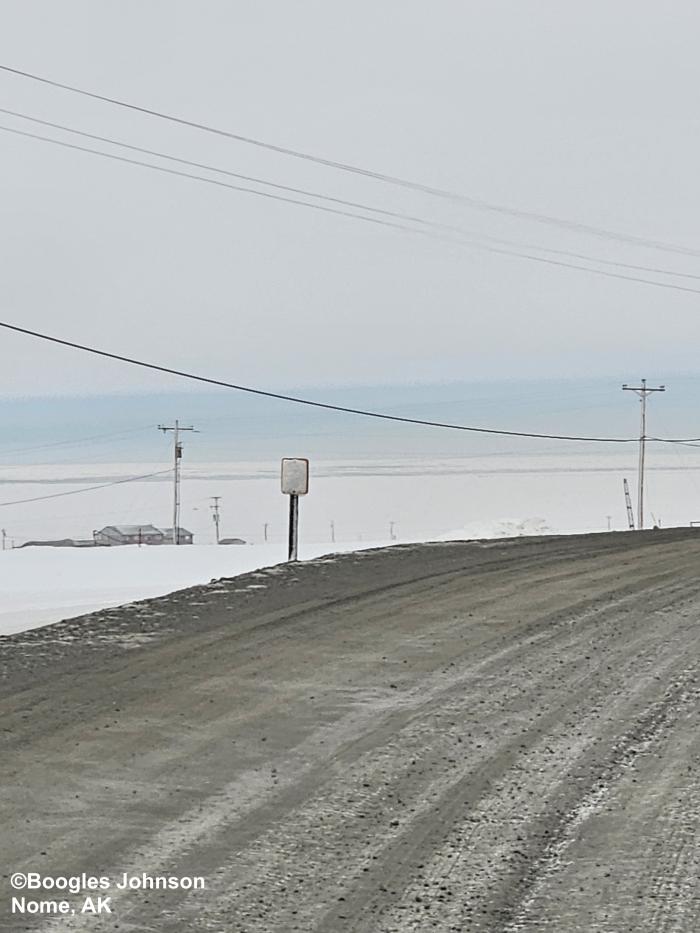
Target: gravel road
column 480, row 736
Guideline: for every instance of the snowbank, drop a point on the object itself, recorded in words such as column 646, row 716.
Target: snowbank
column 502, row 528
column 41, row 585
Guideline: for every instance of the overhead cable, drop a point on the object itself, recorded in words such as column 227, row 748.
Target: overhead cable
column 405, row 227
column 472, row 236
column 476, row 203
column 73, row 442
column 75, row 492
column 297, row 400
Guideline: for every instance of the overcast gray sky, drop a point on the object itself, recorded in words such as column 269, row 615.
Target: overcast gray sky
column 585, row 111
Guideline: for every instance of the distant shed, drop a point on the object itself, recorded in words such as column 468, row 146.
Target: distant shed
column 183, row 536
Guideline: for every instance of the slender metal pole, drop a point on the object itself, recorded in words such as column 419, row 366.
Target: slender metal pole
column 642, row 451
column 176, row 495
column 628, row 505
column 642, row 391
column 293, row 527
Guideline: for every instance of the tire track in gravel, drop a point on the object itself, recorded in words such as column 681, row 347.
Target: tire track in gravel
column 507, row 877
column 251, row 871
column 652, row 831
column 496, row 681
column 233, row 803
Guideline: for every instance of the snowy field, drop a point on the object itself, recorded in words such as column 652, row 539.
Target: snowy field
column 351, row 505
column 44, row 585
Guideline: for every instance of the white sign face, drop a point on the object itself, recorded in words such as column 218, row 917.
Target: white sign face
column 295, row 476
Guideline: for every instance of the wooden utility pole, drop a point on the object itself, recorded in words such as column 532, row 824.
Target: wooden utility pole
column 177, row 449
column 642, row 391
column 215, row 514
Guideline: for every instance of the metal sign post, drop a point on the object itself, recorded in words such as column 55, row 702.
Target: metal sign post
column 295, row 483
column 293, row 527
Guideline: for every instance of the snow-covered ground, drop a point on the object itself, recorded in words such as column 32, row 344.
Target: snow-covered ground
column 359, row 504
column 361, row 498
column 43, row 585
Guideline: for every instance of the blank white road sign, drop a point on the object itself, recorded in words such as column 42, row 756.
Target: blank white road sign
column 295, row 476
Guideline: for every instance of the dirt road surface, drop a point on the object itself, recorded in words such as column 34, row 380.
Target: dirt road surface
column 485, row 736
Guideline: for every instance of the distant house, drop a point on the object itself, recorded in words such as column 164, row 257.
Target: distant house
column 114, row 535
column 183, row 536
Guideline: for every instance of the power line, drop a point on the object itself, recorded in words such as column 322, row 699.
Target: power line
column 70, row 443
column 684, row 442
column 203, row 165
column 477, row 203
column 689, row 441
column 201, row 178
column 570, row 265
column 309, row 402
column 75, row 492
column 450, row 228
column 405, row 227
